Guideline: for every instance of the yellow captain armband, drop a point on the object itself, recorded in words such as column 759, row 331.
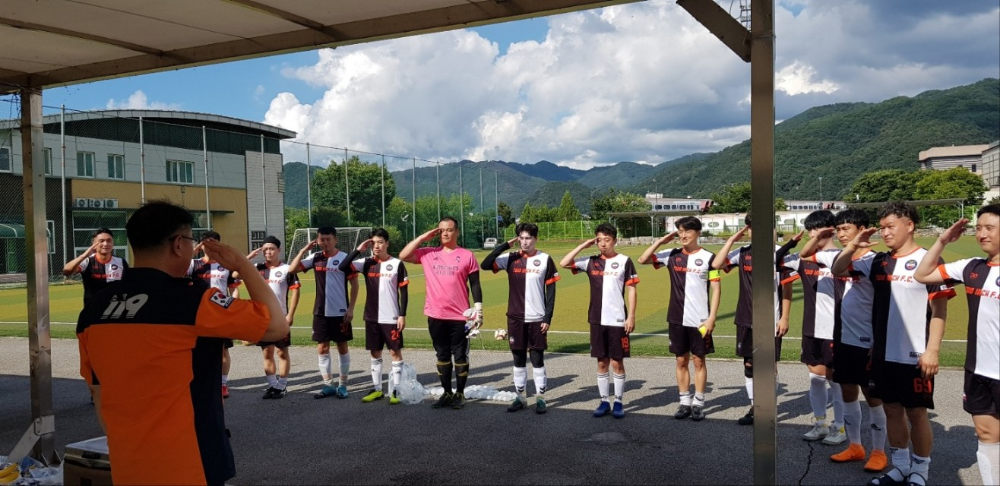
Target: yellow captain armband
column 714, row 275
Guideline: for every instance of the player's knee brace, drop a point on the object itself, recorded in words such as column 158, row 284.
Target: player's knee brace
column 537, row 358
column 748, row 367
column 520, row 358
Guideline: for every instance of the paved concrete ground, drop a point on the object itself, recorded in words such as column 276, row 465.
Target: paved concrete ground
column 305, row 441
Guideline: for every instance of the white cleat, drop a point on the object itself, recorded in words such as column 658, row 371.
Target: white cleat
column 818, row 431
column 835, row 436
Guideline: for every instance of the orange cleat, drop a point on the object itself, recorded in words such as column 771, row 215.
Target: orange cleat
column 225, row 391
column 854, row 452
column 877, row 462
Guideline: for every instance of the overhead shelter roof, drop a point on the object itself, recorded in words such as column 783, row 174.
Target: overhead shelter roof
column 55, row 43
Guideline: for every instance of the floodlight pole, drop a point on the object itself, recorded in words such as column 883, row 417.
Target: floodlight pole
column 383, row 191
column 263, row 184
column 496, row 200
column 482, row 206
column 142, row 163
column 309, row 199
column 62, row 145
column 438, row 172
column 461, row 207
column 413, row 188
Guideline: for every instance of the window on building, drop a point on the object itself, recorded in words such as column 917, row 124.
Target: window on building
column 4, row 159
column 48, row 161
column 973, row 167
column 85, row 164
column 180, row 172
column 116, row 166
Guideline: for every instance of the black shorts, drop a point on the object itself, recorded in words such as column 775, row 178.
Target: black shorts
column 816, row 351
column 685, row 340
column 608, row 342
column 902, row 384
column 283, row 343
column 526, row 335
column 379, row 335
column 326, row 329
column 449, row 339
column 851, row 365
column 981, row 395
column 744, row 343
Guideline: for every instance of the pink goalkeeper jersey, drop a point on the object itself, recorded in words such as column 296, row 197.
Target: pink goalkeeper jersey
column 446, row 274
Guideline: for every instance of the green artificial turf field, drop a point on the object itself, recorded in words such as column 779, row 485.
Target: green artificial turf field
column 569, row 324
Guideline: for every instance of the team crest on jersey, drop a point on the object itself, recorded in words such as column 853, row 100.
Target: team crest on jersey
column 998, row 281
column 699, row 262
column 277, row 274
column 458, row 259
column 614, row 265
column 910, row 265
column 114, row 267
column 388, row 267
column 678, row 259
column 536, row 262
column 221, row 300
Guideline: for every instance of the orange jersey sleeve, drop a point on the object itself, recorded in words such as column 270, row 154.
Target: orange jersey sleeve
column 226, row 317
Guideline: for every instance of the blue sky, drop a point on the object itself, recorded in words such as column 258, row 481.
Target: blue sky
column 639, row 82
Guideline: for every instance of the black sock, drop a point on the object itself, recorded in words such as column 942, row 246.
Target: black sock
column 444, row 372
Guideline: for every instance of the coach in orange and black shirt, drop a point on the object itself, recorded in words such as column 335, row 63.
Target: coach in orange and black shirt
column 151, row 349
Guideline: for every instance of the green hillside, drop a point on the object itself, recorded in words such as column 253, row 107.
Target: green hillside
column 620, row 175
column 839, row 142
column 514, row 186
column 295, row 184
column 551, row 194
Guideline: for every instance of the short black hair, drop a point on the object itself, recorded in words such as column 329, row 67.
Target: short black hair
column 449, row 218
column 989, row 209
column 857, row 217
column 211, row 234
column 154, row 222
column 819, row 219
column 272, row 240
column 606, row 229
column 899, row 209
column 101, row 231
column 688, row 223
column 327, row 230
column 531, row 228
column 746, row 220
column 381, row 233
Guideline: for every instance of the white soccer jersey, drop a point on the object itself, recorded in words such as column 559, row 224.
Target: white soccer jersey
column 280, row 280
column 855, row 309
column 382, row 283
column 819, row 296
column 527, row 278
column 215, row 275
column 331, row 283
column 690, row 274
column 900, row 309
column 608, row 279
column 982, row 289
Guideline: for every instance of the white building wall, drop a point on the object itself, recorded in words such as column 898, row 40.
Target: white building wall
column 262, row 186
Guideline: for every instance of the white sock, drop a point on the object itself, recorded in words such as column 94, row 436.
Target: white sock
column 397, row 372
column 619, row 386
column 282, row 383
column 901, row 459
column 686, row 398
column 817, row 396
column 324, row 367
column 749, row 386
column 225, row 378
column 877, row 415
column 989, row 462
column 699, row 400
column 521, row 380
column 920, row 465
column 271, row 380
column 541, row 381
column 852, row 421
column 345, row 367
column 377, row 373
column 838, row 404
column 602, row 385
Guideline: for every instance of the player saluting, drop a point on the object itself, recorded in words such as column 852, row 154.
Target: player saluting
column 611, row 321
column 285, row 286
column 333, row 312
column 981, row 277
column 385, row 307
column 690, row 316
column 97, row 265
column 447, row 268
column 221, row 278
column 532, row 277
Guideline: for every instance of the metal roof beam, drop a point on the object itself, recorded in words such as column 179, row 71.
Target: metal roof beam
column 719, row 22
column 17, row 24
column 332, row 33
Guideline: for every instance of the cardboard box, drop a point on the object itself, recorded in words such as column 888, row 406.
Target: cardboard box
column 87, row 463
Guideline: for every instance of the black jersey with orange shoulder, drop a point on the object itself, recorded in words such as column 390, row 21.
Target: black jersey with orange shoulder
column 153, row 343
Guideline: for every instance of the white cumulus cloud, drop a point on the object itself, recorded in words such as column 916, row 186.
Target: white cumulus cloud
column 139, row 101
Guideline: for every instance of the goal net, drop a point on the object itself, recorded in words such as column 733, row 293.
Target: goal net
column 348, row 238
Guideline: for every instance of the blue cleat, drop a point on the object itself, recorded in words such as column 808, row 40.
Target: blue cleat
column 341, row 391
column 327, row 391
column 602, row 409
column 618, row 412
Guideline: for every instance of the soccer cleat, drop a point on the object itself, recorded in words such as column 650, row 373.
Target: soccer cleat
column 374, row 395
column 746, row 419
column 683, row 412
column 278, row 394
column 854, row 452
column 269, row 394
column 342, row 391
column 327, row 391
column 697, row 413
column 887, row 479
column 877, row 461
column 836, row 436
column 602, row 409
column 458, row 401
column 225, row 391
column 516, row 405
column 394, row 399
column 617, row 411
column 817, row 432
column 540, row 405
column 444, row 401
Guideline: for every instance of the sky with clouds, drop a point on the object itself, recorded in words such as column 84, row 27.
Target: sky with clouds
column 640, row 82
